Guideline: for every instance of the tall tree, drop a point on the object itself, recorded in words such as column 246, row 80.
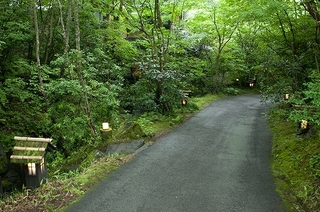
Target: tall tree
column 85, row 100
column 217, row 32
column 36, row 28
column 145, row 19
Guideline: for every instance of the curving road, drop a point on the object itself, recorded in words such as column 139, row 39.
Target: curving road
column 219, row 160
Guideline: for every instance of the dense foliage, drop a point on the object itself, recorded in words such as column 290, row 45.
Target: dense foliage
column 68, row 66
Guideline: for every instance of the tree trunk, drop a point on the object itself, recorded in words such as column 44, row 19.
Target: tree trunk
column 65, row 32
column 223, row 39
column 86, row 105
column 36, row 29
column 50, row 38
column 157, row 14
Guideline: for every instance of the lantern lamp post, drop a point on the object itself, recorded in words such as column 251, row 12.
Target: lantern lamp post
column 184, row 102
column 106, row 131
column 105, row 126
column 286, row 96
column 304, row 124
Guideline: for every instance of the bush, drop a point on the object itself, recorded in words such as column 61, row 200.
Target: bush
column 231, row 91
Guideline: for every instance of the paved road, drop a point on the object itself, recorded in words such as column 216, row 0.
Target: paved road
column 217, row 161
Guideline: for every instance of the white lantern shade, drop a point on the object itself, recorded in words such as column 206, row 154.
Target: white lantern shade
column 105, row 126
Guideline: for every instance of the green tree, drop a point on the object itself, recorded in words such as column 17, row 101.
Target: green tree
column 290, row 55
column 217, row 31
column 42, row 51
column 145, row 19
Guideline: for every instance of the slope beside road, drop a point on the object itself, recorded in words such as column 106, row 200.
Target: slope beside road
column 218, row 160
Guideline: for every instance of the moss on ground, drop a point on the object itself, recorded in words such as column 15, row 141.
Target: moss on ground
column 129, row 131
column 295, row 164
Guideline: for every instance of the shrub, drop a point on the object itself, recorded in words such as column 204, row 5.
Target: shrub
column 231, row 91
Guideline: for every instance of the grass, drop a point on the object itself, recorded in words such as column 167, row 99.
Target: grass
column 62, row 189
column 295, row 163
column 202, row 102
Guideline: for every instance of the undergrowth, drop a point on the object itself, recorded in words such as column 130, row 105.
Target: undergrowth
column 295, row 163
column 63, row 188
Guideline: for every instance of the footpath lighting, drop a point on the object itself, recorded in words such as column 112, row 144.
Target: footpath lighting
column 303, row 124
column 251, row 82
column 106, row 132
column 185, row 96
column 286, row 96
column 184, row 102
column 105, row 126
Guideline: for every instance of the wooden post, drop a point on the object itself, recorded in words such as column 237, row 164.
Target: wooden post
column 106, row 134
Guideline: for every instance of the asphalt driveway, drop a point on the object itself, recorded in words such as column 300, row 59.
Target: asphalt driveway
column 219, row 160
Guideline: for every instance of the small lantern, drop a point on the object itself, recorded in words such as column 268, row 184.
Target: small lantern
column 251, row 84
column 237, row 80
column 286, row 96
column 105, row 126
column 106, row 132
column 303, row 124
column 184, row 102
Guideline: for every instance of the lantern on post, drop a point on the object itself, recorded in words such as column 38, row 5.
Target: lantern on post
column 105, row 126
column 184, row 102
column 304, row 124
column 251, row 82
column 286, row 96
column 106, row 131
column 185, row 96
